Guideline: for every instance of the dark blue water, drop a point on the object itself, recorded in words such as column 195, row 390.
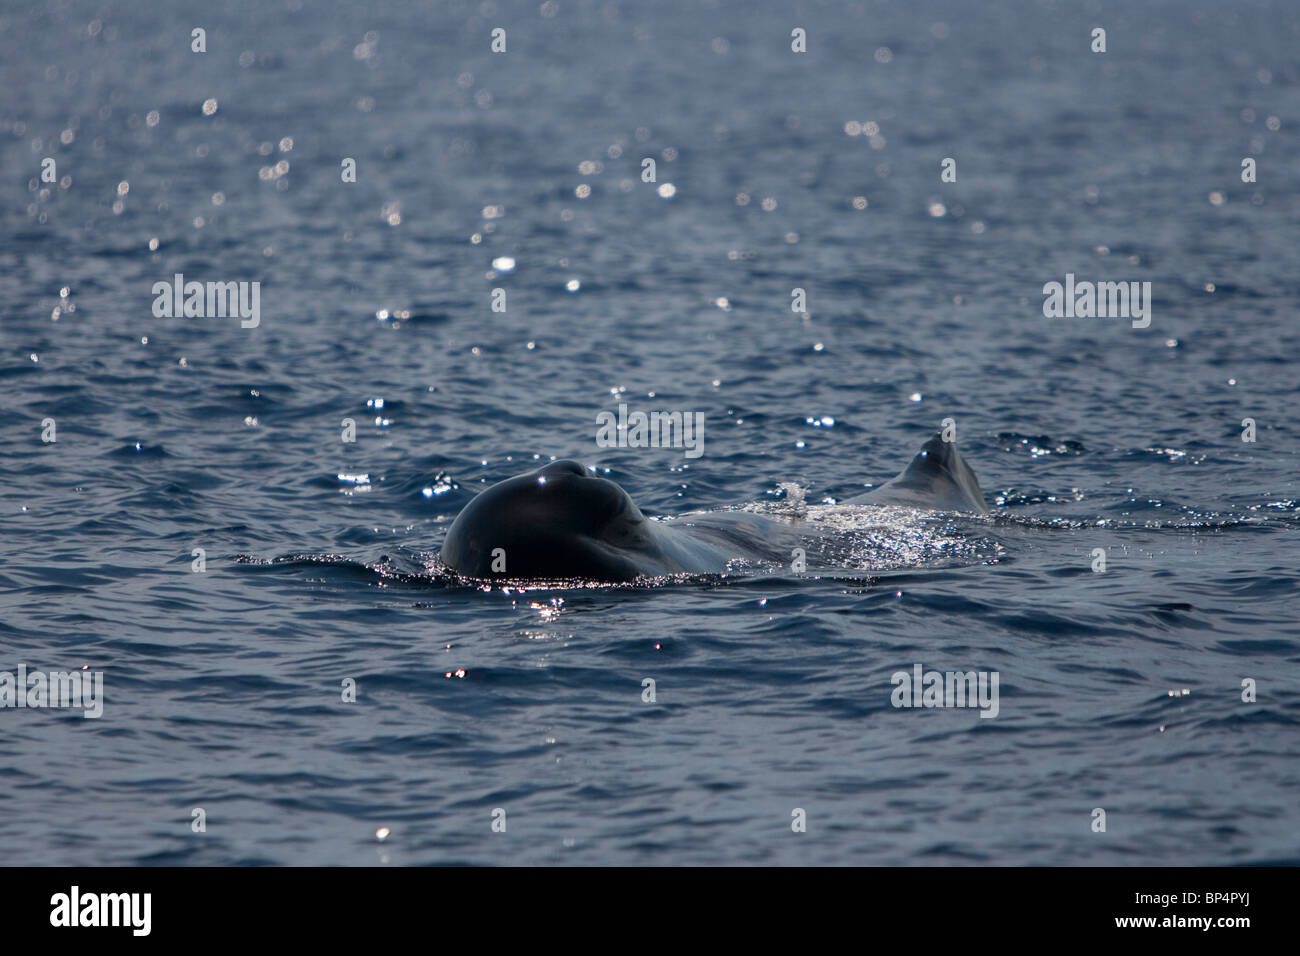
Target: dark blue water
column 223, row 688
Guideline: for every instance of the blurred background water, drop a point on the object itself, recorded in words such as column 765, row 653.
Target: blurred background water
column 818, row 171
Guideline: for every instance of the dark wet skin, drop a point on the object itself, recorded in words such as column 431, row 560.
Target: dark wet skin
column 562, row 522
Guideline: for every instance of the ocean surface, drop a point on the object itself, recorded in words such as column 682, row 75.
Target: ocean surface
column 185, row 442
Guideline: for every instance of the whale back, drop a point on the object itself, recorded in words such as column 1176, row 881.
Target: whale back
column 938, row 478
column 562, row 522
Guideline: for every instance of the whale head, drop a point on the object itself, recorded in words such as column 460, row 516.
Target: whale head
column 558, row 522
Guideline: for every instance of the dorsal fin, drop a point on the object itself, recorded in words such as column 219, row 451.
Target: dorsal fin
column 937, row 478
